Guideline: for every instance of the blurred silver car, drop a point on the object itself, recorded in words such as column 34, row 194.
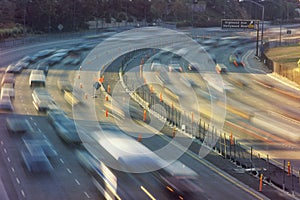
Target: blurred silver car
column 8, row 90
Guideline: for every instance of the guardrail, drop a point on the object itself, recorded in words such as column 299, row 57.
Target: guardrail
column 227, row 145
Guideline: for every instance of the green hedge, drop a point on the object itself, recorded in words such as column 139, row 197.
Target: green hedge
column 11, row 32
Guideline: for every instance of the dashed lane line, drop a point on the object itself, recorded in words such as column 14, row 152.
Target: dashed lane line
column 70, row 172
column 87, row 195
column 23, row 193
column 18, row 180
column 78, row 183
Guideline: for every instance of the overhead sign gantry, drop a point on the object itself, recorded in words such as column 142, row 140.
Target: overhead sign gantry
column 242, row 24
column 239, row 24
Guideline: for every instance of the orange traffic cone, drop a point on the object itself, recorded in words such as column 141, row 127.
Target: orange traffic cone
column 140, row 137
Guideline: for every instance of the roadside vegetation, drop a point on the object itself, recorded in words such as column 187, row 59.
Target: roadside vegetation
column 46, row 16
column 287, row 55
column 12, row 31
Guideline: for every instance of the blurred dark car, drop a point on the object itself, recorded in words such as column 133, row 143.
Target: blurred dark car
column 64, row 126
column 44, row 143
column 35, row 159
column 6, row 105
column 41, row 54
column 18, row 125
column 14, row 68
column 64, row 85
column 44, row 67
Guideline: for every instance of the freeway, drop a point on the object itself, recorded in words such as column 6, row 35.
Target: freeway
column 68, row 180
column 89, row 68
column 269, row 125
column 23, row 106
column 259, row 108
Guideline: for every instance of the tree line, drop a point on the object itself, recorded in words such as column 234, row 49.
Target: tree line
column 46, row 15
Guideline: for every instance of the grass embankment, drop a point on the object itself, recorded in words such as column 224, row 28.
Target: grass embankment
column 288, row 55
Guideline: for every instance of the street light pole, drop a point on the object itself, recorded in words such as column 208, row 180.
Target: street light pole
column 262, row 19
column 262, row 30
column 281, row 16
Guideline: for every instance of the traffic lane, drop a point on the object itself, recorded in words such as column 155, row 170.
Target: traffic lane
column 260, row 96
column 156, row 143
column 53, row 77
column 240, row 106
column 23, row 99
column 213, row 183
column 12, row 55
column 260, row 107
column 68, row 179
column 7, row 169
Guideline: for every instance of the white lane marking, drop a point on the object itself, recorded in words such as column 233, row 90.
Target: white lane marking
column 5, row 151
column 87, row 195
column 69, row 170
column 13, row 169
column 35, row 123
column 39, row 130
column 147, row 193
column 78, row 183
column 2, row 142
column 8, row 159
column 23, row 193
column 61, row 160
column 31, row 118
column 18, row 181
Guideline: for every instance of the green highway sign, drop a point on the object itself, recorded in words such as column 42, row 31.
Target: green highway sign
column 239, row 24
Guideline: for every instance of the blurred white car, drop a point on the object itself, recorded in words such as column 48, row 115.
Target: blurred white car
column 174, row 66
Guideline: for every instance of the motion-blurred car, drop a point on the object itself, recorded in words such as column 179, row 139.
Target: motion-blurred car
column 35, row 159
column 8, row 90
column 174, row 66
column 41, row 54
column 155, row 65
column 56, row 58
column 26, row 61
column 86, row 160
column 18, row 125
column 64, row 126
column 72, row 98
column 191, row 67
column 44, row 143
column 6, row 105
column 238, row 51
column 37, row 77
column 8, row 78
column 236, row 60
column 64, row 85
column 14, row 68
column 72, row 60
column 44, row 67
column 221, row 68
column 42, row 100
